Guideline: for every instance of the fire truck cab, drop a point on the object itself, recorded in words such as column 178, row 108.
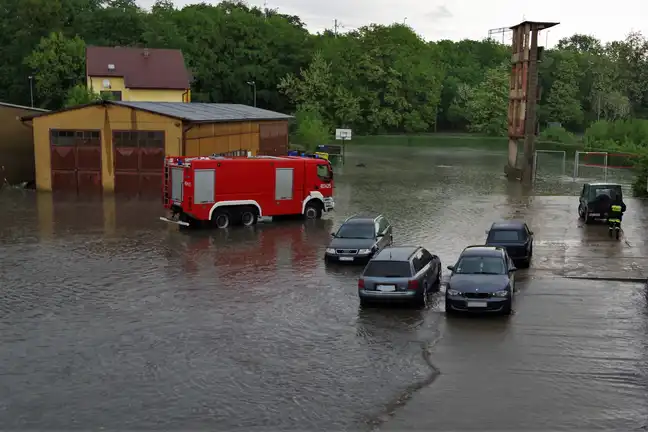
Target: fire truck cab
column 224, row 191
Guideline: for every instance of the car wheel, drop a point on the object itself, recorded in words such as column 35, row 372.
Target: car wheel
column 364, row 303
column 422, row 298
column 438, row 281
column 312, row 211
column 249, row 217
column 580, row 212
column 508, row 308
column 448, row 310
column 221, row 219
column 586, row 216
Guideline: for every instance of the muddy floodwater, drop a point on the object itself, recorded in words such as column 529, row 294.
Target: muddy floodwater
column 112, row 319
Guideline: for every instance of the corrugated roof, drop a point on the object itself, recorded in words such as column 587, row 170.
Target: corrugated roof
column 23, row 107
column 206, row 112
column 188, row 111
column 141, row 68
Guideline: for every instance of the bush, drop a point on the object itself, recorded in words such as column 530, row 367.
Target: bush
column 630, row 136
column 623, row 136
column 558, row 134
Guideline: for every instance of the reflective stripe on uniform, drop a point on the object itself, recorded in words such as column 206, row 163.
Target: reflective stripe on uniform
column 614, row 220
column 616, row 208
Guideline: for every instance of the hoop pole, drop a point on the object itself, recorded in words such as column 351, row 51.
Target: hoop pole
column 576, row 164
column 606, row 167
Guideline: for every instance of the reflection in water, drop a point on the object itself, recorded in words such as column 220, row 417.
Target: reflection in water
column 137, row 324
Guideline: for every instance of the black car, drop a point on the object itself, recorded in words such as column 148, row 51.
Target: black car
column 481, row 281
column 595, row 199
column 359, row 238
column 515, row 237
column 400, row 273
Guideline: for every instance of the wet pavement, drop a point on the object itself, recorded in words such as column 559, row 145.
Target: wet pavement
column 109, row 318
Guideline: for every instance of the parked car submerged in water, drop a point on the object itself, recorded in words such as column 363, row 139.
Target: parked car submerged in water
column 515, row 237
column 359, row 238
column 482, row 280
column 400, row 273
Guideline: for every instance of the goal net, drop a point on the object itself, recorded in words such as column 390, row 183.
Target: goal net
column 604, row 166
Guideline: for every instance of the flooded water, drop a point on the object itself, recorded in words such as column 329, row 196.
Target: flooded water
column 111, row 319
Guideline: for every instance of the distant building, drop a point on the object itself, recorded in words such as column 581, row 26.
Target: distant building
column 138, row 74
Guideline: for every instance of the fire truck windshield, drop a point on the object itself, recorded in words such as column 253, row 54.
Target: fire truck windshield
column 324, row 172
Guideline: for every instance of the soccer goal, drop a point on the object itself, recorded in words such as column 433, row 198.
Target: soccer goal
column 603, row 165
column 554, row 161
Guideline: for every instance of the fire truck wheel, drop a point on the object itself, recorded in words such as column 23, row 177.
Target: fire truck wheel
column 313, row 211
column 221, row 219
column 248, row 217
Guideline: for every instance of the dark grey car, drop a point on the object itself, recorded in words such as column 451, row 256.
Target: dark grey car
column 400, row 273
column 483, row 280
column 359, row 238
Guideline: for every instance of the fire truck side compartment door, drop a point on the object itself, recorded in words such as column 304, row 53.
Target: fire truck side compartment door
column 177, row 181
column 204, row 182
column 284, row 184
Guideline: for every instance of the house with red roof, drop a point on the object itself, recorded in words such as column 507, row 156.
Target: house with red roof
column 138, row 74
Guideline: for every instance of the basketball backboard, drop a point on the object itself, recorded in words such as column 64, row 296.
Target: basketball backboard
column 343, row 134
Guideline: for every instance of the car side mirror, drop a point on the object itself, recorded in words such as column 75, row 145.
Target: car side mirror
column 332, row 234
column 486, row 232
column 451, row 268
column 380, row 235
column 513, row 269
column 530, row 232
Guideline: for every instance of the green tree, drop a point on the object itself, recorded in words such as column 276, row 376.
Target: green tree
column 311, row 130
column 58, row 63
column 80, row 95
column 488, row 103
column 563, row 103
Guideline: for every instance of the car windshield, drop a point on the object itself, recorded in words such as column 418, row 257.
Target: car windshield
column 504, row 235
column 480, row 265
column 356, row 231
column 388, row 269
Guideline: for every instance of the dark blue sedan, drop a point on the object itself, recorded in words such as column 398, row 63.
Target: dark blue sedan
column 482, row 280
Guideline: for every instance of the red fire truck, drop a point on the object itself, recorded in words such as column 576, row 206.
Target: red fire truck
column 224, row 191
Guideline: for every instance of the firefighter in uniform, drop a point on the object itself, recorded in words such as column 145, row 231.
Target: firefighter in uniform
column 615, row 214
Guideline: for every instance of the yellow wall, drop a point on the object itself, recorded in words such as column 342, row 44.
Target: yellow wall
column 105, row 118
column 207, row 139
column 16, row 146
column 137, row 95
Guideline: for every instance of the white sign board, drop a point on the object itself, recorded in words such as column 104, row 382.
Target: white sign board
column 343, row 134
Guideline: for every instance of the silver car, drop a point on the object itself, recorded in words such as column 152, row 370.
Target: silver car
column 400, row 273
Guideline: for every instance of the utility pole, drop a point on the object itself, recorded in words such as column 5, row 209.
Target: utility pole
column 253, row 84
column 335, row 27
column 31, row 89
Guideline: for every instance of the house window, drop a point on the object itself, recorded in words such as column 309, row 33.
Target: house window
column 71, row 138
column 138, row 139
column 111, row 95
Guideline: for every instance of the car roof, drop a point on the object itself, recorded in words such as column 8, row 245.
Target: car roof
column 508, row 225
column 363, row 217
column 396, row 253
column 480, row 250
column 603, row 184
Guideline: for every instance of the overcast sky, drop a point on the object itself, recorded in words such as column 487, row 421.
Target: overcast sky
column 467, row 19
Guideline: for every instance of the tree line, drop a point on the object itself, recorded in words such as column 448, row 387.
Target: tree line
column 376, row 79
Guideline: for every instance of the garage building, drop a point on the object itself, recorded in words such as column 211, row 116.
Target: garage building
column 16, row 145
column 115, row 146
